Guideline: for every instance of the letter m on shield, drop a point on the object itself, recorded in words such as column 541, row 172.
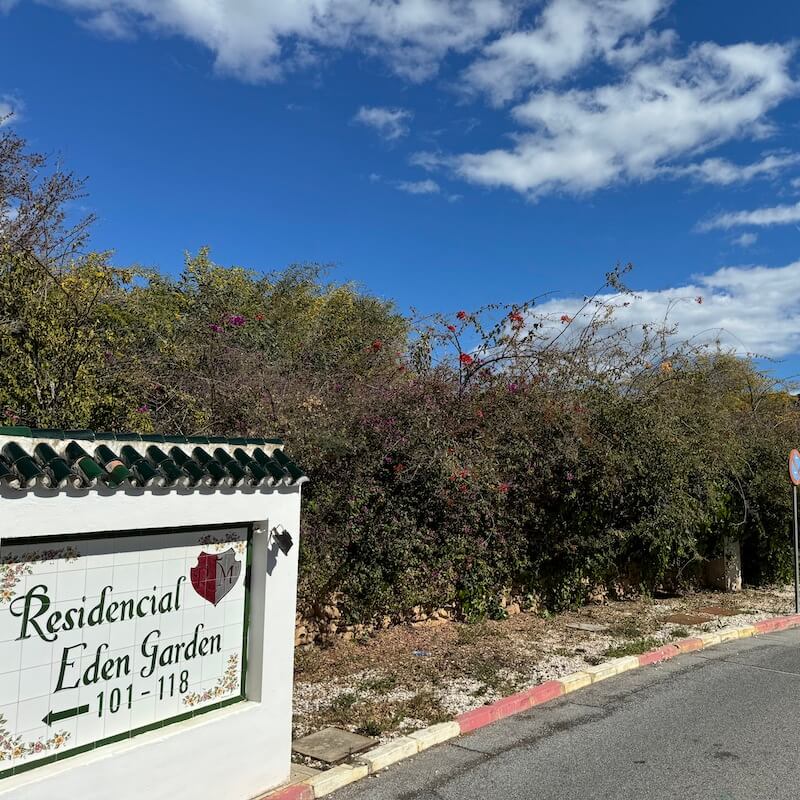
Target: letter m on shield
column 215, row 574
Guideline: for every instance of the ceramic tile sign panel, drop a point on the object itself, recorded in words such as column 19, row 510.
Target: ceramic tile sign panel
column 106, row 636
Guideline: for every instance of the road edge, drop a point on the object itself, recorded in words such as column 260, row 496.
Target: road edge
column 377, row 759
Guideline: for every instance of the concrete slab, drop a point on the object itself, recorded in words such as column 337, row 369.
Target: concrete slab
column 333, row 779
column 435, row 734
column 717, row 611
column 390, row 753
column 683, row 618
column 331, row 745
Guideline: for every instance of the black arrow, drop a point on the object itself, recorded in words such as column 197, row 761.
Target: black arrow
column 57, row 716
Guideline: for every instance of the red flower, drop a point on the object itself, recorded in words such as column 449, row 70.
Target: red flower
column 466, row 359
column 461, row 315
column 503, row 487
column 566, row 318
column 517, row 319
column 451, row 328
column 377, row 345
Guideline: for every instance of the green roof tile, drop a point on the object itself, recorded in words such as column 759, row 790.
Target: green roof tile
column 145, row 474
column 116, row 471
column 58, row 472
column 196, row 474
column 7, row 474
column 48, row 433
column 58, row 459
column 15, row 431
column 232, row 466
column 217, row 472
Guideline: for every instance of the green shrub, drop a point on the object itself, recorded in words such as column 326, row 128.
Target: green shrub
column 450, row 462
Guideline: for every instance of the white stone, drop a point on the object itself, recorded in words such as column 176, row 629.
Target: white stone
column 577, row 680
column 337, row 777
column 613, row 667
column 390, row 753
column 436, row 734
column 727, row 634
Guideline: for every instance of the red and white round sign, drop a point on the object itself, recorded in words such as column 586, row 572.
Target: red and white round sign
column 794, row 467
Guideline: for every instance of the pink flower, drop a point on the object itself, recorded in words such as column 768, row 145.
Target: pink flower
column 216, row 328
column 143, row 409
column 237, row 320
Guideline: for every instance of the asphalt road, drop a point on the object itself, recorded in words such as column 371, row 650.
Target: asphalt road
column 720, row 725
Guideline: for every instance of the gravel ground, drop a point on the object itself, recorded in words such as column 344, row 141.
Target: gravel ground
column 405, row 678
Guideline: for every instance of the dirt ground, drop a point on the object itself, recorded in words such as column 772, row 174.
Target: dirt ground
column 404, row 678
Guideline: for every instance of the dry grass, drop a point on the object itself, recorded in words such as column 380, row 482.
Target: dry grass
column 407, row 677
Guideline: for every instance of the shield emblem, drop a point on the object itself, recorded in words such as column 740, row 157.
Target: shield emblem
column 215, row 574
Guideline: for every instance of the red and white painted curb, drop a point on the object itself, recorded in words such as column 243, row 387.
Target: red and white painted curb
column 406, row 746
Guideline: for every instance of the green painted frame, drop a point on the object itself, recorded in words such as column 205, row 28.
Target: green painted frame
column 75, row 537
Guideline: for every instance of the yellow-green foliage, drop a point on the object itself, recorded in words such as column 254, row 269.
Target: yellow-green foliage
column 59, row 332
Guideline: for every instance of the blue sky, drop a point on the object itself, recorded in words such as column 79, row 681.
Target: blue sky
column 443, row 153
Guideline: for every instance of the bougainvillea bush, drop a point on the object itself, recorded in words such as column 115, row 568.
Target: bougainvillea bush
column 452, row 459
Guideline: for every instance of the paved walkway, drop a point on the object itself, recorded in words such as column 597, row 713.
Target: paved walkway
column 722, row 724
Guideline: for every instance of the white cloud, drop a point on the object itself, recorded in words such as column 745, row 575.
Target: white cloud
column 721, row 172
column 390, row 123
column 759, row 217
column 419, row 187
column 634, row 49
column 746, row 239
column 10, row 109
column 568, row 34
column 261, row 40
column 108, row 23
column 583, row 139
column 655, row 113
column 749, row 309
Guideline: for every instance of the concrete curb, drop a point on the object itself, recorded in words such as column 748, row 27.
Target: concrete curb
column 380, row 757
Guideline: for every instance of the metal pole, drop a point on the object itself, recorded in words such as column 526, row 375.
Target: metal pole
column 796, row 562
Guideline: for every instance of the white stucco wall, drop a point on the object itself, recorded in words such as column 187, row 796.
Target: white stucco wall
column 235, row 753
